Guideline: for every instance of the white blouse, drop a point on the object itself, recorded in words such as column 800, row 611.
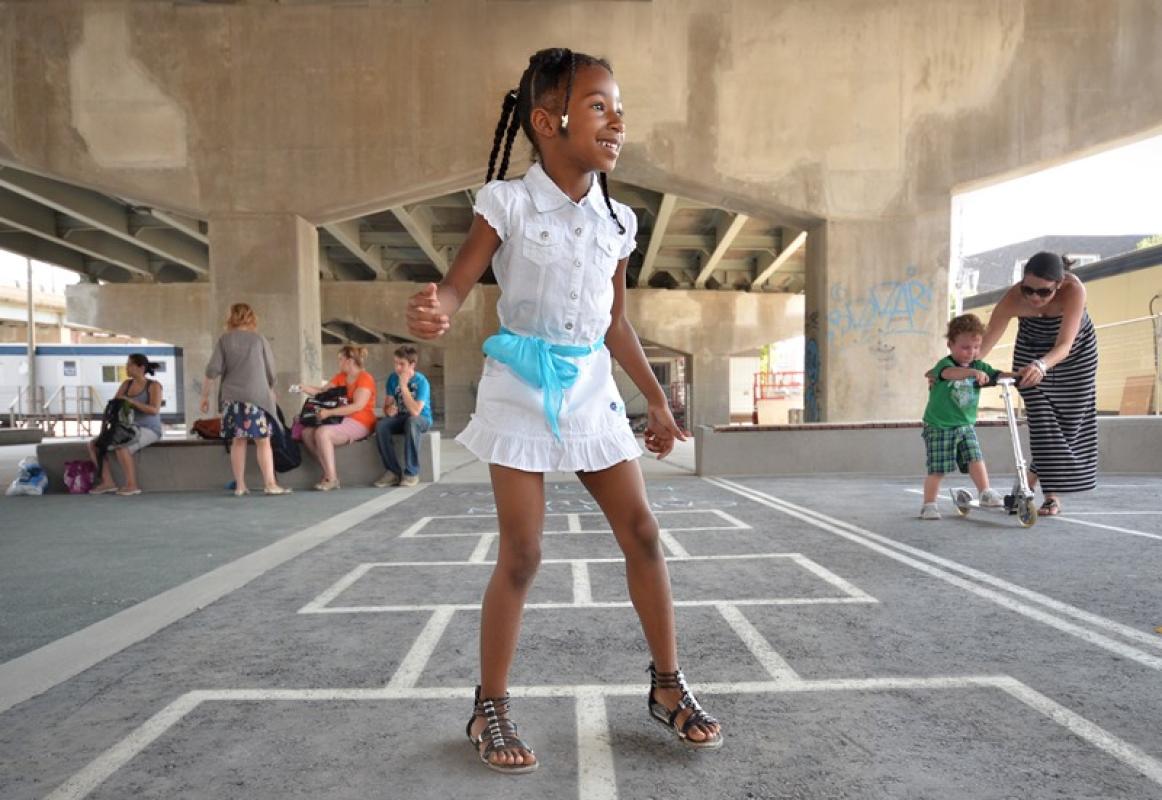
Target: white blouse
column 556, row 260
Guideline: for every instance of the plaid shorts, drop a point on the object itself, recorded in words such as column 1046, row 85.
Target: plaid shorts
column 951, row 448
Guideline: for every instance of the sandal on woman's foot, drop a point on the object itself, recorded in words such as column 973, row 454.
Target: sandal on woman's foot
column 669, row 718
column 1050, row 508
column 498, row 735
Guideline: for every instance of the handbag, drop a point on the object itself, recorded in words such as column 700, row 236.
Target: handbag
column 328, row 398
column 209, row 428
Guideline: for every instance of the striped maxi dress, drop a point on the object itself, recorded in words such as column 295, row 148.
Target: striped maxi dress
column 1062, row 409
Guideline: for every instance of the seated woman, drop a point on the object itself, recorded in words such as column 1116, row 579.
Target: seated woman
column 358, row 414
column 144, row 396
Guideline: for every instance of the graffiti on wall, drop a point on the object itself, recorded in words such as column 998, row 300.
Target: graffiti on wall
column 886, row 309
column 811, row 381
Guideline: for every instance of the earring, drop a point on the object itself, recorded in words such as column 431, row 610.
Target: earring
column 564, row 121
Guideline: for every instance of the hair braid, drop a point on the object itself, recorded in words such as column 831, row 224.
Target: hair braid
column 513, row 127
column 609, row 204
column 507, row 113
column 568, row 93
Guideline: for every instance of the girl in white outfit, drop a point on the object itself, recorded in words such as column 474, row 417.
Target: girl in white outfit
column 559, row 246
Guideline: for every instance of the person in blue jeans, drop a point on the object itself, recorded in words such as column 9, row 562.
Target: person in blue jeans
column 407, row 409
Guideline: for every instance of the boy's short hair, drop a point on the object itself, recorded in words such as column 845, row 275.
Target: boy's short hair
column 408, row 353
column 965, row 323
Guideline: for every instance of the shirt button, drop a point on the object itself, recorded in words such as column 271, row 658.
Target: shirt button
column 544, row 234
column 572, row 295
column 577, row 231
column 577, row 264
column 568, row 326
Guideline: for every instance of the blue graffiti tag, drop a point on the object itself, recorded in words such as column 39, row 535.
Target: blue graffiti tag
column 890, row 307
column 811, row 382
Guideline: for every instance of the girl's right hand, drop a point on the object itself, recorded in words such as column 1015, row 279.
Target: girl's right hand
column 205, row 406
column 425, row 319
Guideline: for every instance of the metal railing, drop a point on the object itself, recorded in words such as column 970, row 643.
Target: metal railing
column 1129, row 367
column 69, row 411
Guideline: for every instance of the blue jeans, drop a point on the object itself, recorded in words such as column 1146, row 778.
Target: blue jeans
column 412, row 428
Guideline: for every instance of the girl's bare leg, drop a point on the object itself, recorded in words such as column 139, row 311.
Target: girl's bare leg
column 621, row 493
column 520, row 512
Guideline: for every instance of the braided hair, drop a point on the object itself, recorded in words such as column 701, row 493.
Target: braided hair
column 539, row 83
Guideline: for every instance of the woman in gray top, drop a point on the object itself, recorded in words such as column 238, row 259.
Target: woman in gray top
column 144, row 397
column 244, row 362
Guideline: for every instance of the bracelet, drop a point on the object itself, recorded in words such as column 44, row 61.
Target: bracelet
column 1040, row 365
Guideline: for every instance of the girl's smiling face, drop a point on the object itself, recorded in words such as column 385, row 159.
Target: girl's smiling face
column 596, row 129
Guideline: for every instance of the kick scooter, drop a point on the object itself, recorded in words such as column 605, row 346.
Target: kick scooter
column 1020, row 502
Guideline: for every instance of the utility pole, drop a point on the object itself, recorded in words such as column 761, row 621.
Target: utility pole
column 31, row 344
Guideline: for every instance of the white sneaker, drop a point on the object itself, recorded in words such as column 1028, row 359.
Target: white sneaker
column 929, row 511
column 991, row 498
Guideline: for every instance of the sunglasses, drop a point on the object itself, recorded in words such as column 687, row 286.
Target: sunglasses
column 1045, row 291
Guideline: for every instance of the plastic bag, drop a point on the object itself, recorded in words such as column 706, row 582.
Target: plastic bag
column 32, row 480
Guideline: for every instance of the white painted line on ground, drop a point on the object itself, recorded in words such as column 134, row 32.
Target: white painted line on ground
column 673, row 545
column 580, row 571
column 735, row 521
column 32, row 673
column 417, row 658
column 865, row 538
column 582, row 590
column 1069, row 518
column 592, row 721
column 574, row 523
column 482, row 548
column 415, row 528
column 775, row 665
column 595, row 774
column 586, row 531
column 839, row 583
column 1080, row 726
column 1115, row 513
column 778, row 601
column 336, row 589
column 100, row 769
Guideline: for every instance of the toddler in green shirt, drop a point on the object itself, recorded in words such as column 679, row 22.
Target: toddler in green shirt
column 949, row 435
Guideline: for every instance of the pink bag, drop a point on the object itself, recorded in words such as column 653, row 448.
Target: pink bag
column 297, row 429
column 79, row 476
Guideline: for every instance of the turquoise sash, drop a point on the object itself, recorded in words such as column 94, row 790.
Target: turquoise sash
column 541, row 365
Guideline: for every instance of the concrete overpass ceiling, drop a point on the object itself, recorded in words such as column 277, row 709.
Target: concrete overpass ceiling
column 100, row 237
column 682, row 243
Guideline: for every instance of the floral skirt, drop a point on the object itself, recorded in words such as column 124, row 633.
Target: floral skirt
column 244, row 421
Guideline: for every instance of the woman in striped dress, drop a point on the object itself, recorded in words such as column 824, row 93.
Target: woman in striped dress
column 1056, row 360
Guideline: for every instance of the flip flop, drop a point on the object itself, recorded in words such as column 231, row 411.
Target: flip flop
column 1050, row 508
column 128, row 492
column 109, row 490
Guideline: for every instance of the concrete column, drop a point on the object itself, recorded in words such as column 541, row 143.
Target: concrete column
column 711, row 388
column 463, row 365
column 877, row 305
column 271, row 261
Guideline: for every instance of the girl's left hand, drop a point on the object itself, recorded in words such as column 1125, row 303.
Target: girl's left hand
column 661, row 431
column 1029, row 376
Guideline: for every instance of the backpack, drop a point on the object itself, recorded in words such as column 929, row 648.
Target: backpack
column 287, row 455
column 116, row 428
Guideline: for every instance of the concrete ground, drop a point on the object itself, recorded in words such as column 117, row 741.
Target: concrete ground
column 327, row 647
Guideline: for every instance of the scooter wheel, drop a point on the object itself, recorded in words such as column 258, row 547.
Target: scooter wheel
column 1026, row 512
column 961, row 500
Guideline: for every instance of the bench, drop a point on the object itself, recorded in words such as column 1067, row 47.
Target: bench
column 198, row 464
column 21, row 436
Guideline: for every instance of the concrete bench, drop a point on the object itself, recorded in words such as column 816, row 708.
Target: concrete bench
column 198, row 464
column 20, row 436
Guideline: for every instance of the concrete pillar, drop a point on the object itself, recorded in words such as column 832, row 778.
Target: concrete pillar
column 877, row 304
column 463, row 365
column 711, row 389
column 271, row 261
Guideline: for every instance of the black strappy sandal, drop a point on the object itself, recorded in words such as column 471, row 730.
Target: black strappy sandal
column 498, row 734
column 659, row 712
column 1050, row 508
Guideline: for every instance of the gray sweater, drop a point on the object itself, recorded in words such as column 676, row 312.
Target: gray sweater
column 245, row 363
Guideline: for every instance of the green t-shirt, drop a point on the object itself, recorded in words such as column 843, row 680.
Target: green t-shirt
column 952, row 404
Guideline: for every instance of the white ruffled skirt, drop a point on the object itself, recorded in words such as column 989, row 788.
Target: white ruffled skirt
column 509, row 427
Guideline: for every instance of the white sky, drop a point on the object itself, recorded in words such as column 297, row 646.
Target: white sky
column 1115, row 192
